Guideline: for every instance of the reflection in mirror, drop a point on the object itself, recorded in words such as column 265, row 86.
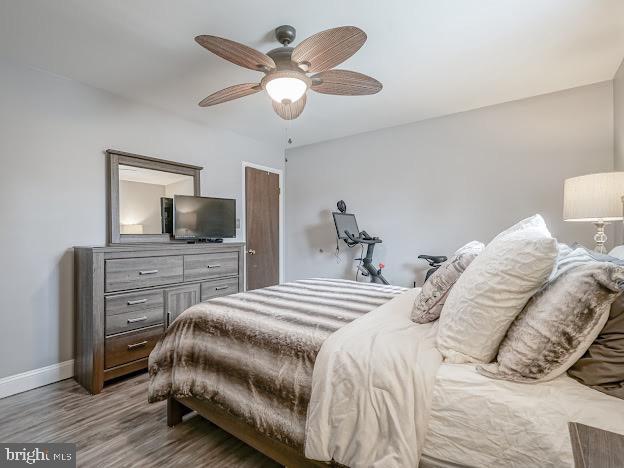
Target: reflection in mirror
column 146, row 199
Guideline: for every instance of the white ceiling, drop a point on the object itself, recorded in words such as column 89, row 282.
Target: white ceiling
column 433, row 57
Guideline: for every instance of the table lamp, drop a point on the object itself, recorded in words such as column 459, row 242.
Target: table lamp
column 595, row 198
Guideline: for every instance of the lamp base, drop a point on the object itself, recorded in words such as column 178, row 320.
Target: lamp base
column 600, row 237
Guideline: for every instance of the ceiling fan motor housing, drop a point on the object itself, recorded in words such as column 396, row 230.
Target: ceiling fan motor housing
column 282, row 56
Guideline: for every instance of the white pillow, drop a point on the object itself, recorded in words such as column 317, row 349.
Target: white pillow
column 492, row 291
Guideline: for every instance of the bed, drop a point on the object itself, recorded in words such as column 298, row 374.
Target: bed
column 245, row 361
column 253, row 378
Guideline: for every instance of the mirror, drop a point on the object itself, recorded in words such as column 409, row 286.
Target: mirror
column 146, row 199
column 140, row 196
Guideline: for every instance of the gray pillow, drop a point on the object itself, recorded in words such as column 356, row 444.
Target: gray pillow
column 558, row 324
column 429, row 302
column 602, row 366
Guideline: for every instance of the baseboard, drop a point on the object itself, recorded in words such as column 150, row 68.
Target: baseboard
column 19, row 383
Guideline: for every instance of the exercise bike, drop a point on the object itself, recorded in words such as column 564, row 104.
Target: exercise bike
column 434, row 261
column 346, row 227
column 348, row 231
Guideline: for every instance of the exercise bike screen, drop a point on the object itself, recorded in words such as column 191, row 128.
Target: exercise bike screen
column 345, row 222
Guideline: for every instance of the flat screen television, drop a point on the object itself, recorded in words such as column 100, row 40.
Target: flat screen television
column 203, row 217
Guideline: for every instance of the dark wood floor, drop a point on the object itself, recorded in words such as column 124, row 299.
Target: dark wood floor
column 119, row 428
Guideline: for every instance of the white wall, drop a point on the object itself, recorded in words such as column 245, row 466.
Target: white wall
column 431, row 186
column 183, row 187
column 618, row 135
column 618, row 117
column 139, row 203
column 53, row 132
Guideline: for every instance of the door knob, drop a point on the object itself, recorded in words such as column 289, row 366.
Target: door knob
column 251, row 252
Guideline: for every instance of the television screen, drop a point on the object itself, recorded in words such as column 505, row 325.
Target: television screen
column 203, row 217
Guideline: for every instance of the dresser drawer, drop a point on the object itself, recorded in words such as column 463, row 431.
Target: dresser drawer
column 131, row 346
column 218, row 288
column 211, row 265
column 133, row 273
column 125, row 312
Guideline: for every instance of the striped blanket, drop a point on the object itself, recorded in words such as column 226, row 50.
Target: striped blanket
column 253, row 353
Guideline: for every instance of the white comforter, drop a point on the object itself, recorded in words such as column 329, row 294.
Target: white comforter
column 372, row 389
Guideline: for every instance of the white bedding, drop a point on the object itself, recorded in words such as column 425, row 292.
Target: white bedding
column 371, row 389
column 378, row 390
column 479, row 422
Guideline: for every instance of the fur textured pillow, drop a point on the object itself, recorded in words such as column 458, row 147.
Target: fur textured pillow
column 558, row 324
column 492, row 291
column 429, row 302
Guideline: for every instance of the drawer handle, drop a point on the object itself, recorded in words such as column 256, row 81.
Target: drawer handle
column 213, row 266
column 221, row 288
column 148, row 272
column 138, row 301
column 138, row 319
column 137, row 345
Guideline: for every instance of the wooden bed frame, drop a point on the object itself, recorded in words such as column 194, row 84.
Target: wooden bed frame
column 281, row 453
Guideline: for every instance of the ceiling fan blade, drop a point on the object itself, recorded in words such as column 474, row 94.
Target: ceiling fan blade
column 236, row 53
column 228, row 94
column 345, row 83
column 290, row 111
column 329, row 48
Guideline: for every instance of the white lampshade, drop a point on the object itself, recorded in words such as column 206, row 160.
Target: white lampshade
column 594, row 197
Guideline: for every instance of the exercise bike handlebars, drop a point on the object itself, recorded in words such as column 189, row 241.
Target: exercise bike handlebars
column 363, row 238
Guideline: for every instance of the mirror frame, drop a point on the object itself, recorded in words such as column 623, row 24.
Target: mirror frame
column 113, row 159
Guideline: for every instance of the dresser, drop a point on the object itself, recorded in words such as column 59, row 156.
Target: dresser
column 127, row 295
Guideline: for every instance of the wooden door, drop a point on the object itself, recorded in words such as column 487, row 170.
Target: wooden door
column 180, row 298
column 262, row 194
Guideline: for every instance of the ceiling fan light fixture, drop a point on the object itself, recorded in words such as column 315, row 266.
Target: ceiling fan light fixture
column 286, row 88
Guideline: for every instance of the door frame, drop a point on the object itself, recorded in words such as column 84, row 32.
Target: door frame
column 280, row 173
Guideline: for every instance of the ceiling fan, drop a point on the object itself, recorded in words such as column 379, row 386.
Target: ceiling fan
column 286, row 69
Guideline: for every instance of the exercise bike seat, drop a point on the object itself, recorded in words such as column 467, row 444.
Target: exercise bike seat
column 433, row 258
